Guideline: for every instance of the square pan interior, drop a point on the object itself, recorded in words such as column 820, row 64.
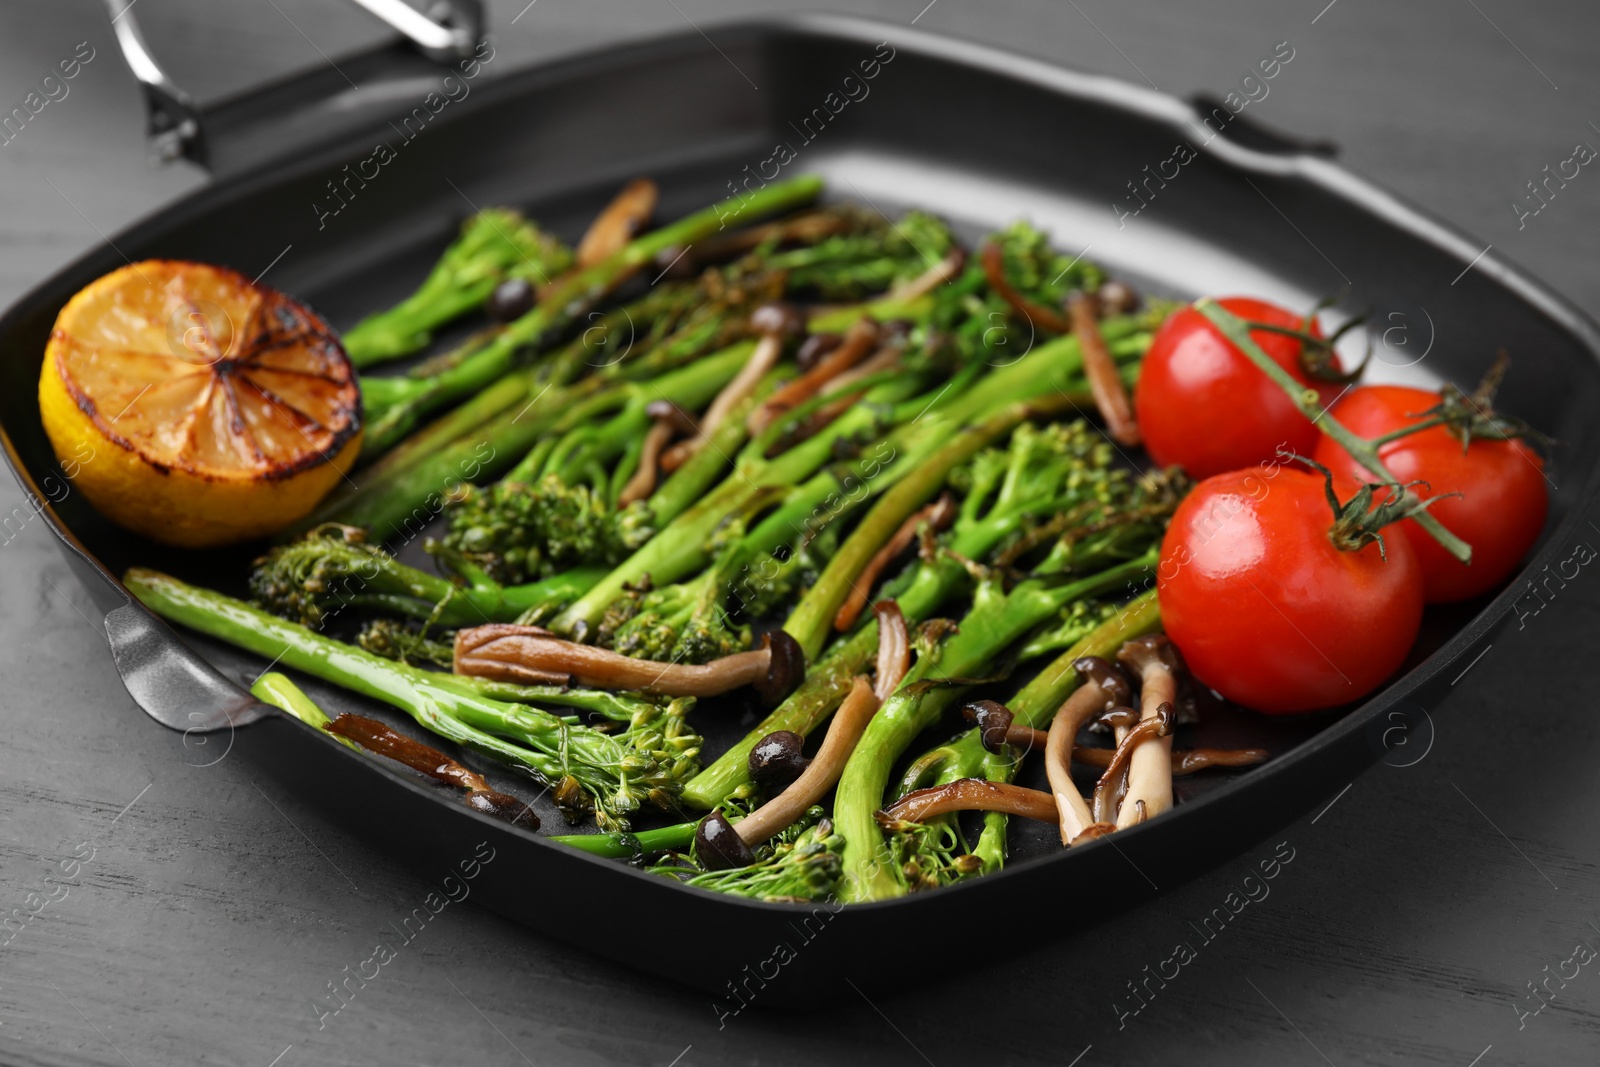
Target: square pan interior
column 976, row 136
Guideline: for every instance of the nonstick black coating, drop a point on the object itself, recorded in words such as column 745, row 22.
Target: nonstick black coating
column 981, row 138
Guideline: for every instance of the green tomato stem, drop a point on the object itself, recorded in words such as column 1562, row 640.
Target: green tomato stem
column 1363, row 451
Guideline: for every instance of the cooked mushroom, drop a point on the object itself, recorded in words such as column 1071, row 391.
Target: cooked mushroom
column 947, row 269
column 511, row 299
column 627, row 214
column 894, row 648
column 1150, row 768
column 971, row 794
column 1135, row 799
column 859, row 341
column 778, row 759
column 937, row 515
column 819, row 776
column 1118, row 298
column 997, row 727
column 1103, row 687
column 994, row 268
column 719, row 846
column 668, row 421
column 378, row 737
column 1185, row 761
column 776, row 323
column 1105, row 380
column 816, row 346
column 530, row 655
column 840, row 394
column 676, row 263
column 809, row 228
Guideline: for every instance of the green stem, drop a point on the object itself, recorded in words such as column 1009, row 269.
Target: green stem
column 675, row 838
column 276, row 689
column 1309, row 402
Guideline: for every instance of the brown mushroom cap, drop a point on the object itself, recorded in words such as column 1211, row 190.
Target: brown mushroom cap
column 670, row 413
column 820, row 774
column 779, row 318
column 813, row 348
column 777, row 759
column 786, row 667
column 1118, row 298
column 718, row 845
column 993, row 720
column 1107, row 677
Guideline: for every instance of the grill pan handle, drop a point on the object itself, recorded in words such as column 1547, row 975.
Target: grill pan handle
column 1249, row 133
column 304, row 110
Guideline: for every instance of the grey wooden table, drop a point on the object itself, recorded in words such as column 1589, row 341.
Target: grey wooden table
column 180, row 914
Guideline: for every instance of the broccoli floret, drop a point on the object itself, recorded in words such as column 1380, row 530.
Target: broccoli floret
column 518, row 533
column 1040, row 273
column 801, row 864
column 407, row 644
column 313, row 578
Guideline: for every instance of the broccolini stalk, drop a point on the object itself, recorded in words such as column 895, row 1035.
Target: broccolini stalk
column 492, row 431
column 996, row 620
column 616, row 846
column 571, row 294
column 333, row 567
column 495, row 244
column 1039, row 475
column 614, row 774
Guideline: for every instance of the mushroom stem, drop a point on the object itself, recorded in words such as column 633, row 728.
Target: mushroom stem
column 947, row 269
column 670, row 420
column 616, row 225
column 994, row 268
column 375, row 736
column 1185, row 761
column 1118, row 791
column 762, row 359
column 531, row 655
column 1150, row 768
column 938, row 515
column 821, row 773
column 1087, row 701
column 971, row 794
column 1105, row 379
column 894, row 648
column 859, row 340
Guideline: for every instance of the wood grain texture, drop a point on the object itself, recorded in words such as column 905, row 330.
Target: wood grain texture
column 1404, row 930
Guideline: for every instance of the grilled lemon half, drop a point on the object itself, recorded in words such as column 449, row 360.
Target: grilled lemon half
column 196, row 407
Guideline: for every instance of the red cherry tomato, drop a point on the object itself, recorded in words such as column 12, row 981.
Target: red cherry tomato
column 1202, row 404
column 1503, row 496
column 1267, row 610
